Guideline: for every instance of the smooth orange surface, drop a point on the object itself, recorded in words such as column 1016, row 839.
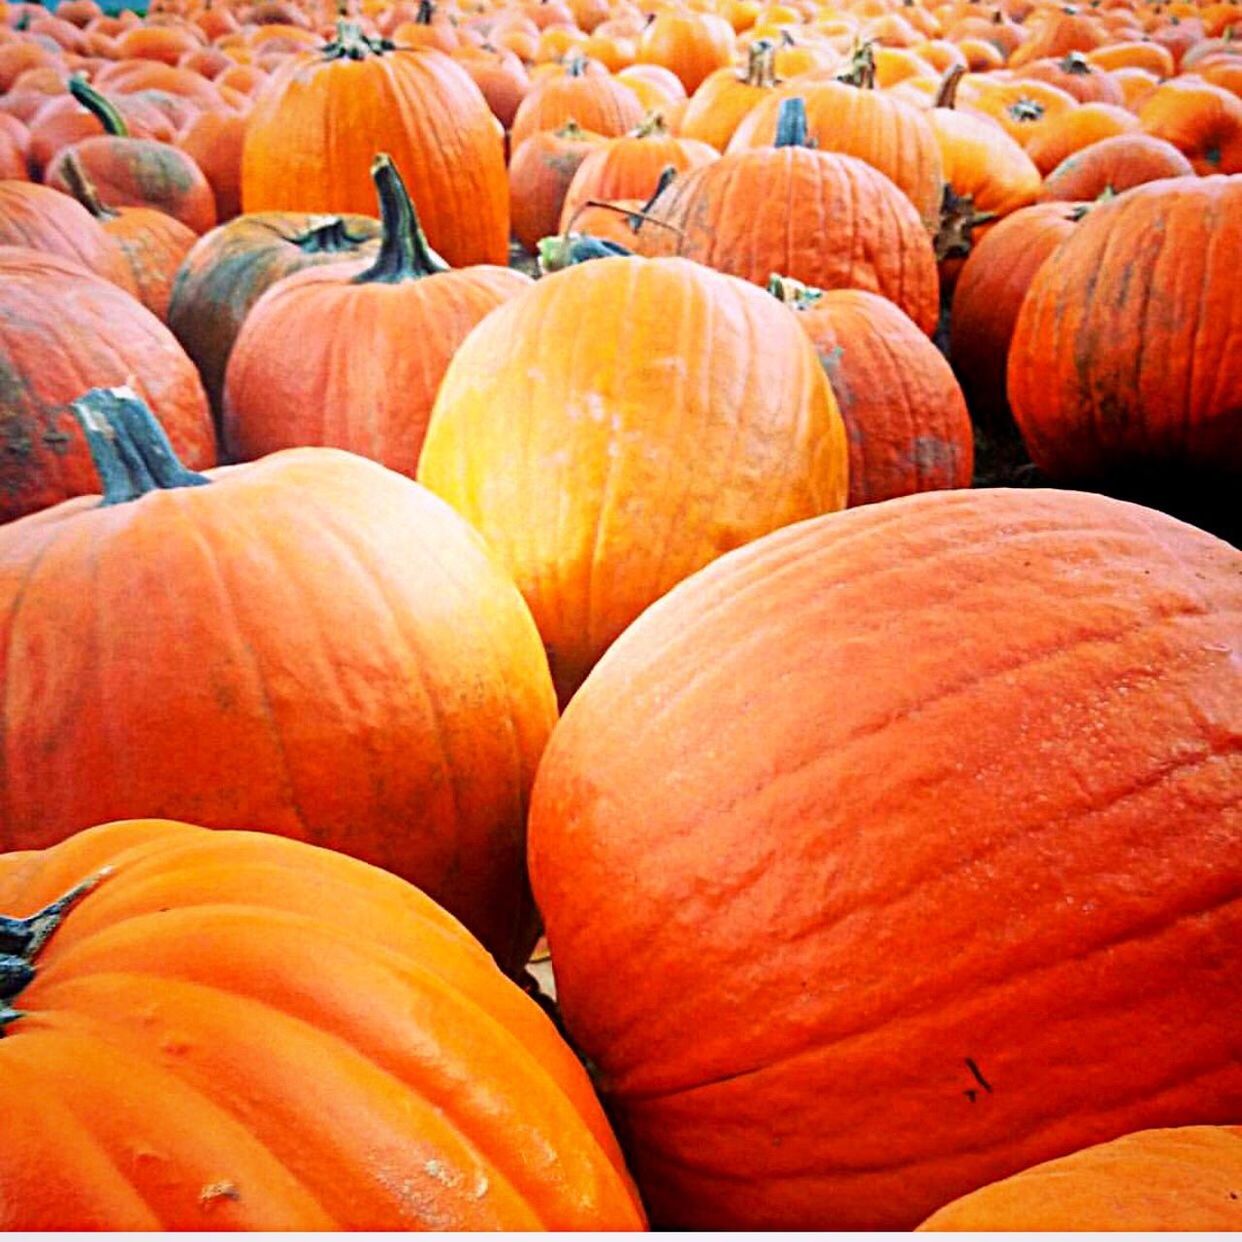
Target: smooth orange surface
column 234, row 1031
column 948, row 781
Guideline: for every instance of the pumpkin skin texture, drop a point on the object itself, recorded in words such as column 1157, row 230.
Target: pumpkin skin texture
column 230, row 268
column 320, row 121
column 63, row 330
column 905, row 416
column 210, row 995
column 404, row 732
column 1202, row 121
column 830, row 221
column 1098, row 381
column 598, row 103
column 1183, row 1180
column 350, row 355
column 680, row 414
column 539, row 177
column 1115, row 164
column 1086, row 870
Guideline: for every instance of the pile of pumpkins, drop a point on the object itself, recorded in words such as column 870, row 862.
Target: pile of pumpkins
column 480, row 469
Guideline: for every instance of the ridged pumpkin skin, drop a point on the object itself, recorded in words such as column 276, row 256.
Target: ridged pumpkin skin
column 62, row 331
column 1115, row 164
column 231, row 1031
column 319, row 122
column 1184, row 1180
column 326, row 628
column 884, row 131
column 988, row 296
column 232, row 266
column 1204, row 122
column 905, row 416
column 597, row 102
column 830, row 221
column 621, row 424
column 853, row 805
column 1063, row 136
column 540, row 173
column 1125, row 352
column 35, row 217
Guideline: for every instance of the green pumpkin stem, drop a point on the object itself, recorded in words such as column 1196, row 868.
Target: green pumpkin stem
column 793, row 293
column 83, row 188
column 353, row 43
column 791, row 123
column 404, row 252
column 328, row 235
column 22, row 939
column 946, row 96
column 860, row 71
column 103, row 110
column 132, row 455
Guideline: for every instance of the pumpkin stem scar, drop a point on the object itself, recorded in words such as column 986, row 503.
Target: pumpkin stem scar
column 22, row 939
column 132, row 455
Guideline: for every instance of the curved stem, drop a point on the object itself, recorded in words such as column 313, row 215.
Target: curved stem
column 103, row 110
column 132, row 455
column 791, row 124
column 404, row 252
column 83, row 188
column 946, row 96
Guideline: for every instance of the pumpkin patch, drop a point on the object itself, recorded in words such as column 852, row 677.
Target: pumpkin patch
column 620, row 614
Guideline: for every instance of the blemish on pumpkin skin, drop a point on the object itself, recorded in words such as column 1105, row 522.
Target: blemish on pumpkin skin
column 972, row 1093
column 215, row 1191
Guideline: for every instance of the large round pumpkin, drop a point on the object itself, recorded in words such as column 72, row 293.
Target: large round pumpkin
column 63, row 330
column 898, row 852
column 1124, row 355
column 230, row 1031
column 619, row 425
column 1187, row 1179
column 311, row 644
column 326, row 114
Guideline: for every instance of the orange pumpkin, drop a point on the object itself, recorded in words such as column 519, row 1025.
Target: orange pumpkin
column 539, row 177
column 681, row 413
column 1065, row 135
column 597, row 102
column 1202, row 121
column 1113, row 165
column 1047, row 682
column 14, row 149
column 406, row 733
column 1120, row 353
column 324, row 117
column 1182, row 1180
column 723, row 98
column 691, row 44
column 192, row 1003
column 357, row 384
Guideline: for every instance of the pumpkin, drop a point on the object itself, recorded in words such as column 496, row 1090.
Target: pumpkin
column 231, row 1031
column 63, row 329
column 630, row 167
column 1120, row 355
column 1062, row 30
column 878, row 128
column 1076, row 76
column 386, row 690
column 539, row 177
column 1202, row 121
column 988, row 296
column 369, row 341
column 213, row 140
column 674, row 413
column 152, row 242
column 724, row 97
column 595, row 101
column 38, row 218
column 1184, row 1179
column 1134, row 55
column 905, row 416
column 136, row 172
column 500, row 76
column 14, row 149
column 1114, row 164
column 64, row 121
column 828, row 220
column 691, row 44
column 323, row 118
column 1071, row 132
column 855, row 802
column 230, row 268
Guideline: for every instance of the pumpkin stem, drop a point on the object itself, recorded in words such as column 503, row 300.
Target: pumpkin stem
column 404, row 252
column 860, row 71
column 653, row 125
column 132, row 455
column 103, row 110
column 83, row 188
column 353, row 43
column 1075, row 62
column 327, row 235
column 761, row 64
column 792, row 292
column 667, row 175
column 22, row 939
column 571, row 130
column 575, row 66
column 426, row 11
column 1026, row 110
column 568, row 250
column 958, row 220
column 946, row 96
column 791, row 124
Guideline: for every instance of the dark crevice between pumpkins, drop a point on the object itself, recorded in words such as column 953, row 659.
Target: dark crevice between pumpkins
column 132, row 455
column 21, row 941
column 404, row 252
